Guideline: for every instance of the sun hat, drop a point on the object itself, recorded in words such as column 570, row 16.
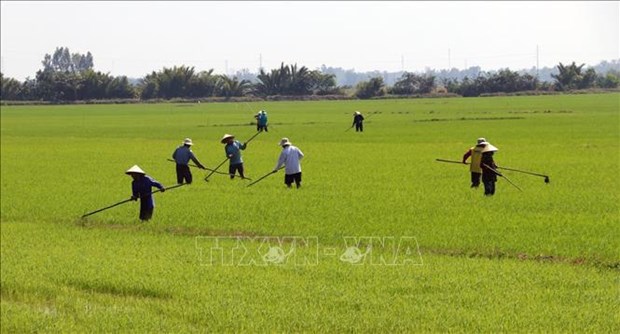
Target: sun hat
column 489, row 148
column 226, row 137
column 357, row 113
column 481, row 139
column 284, row 141
column 187, row 141
column 135, row 169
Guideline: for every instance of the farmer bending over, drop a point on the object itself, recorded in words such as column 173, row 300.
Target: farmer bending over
column 141, row 188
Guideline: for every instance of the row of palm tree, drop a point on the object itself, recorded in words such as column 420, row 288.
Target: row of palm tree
column 183, row 81
column 51, row 84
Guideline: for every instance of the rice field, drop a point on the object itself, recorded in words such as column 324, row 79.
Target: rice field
column 380, row 237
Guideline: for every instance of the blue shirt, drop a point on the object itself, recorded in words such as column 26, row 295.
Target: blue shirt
column 262, row 119
column 234, row 149
column 141, row 188
column 357, row 119
column 183, row 154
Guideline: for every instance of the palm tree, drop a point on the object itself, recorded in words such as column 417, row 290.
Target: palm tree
column 205, row 84
column 299, row 81
column 229, row 87
column 569, row 76
column 10, row 88
column 270, row 83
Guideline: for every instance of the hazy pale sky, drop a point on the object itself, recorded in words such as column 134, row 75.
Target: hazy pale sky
column 135, row 38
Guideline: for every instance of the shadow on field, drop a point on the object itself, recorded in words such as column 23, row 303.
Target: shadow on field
column 548, row 111
column 467, row 119
column 497, row 254
column 116, row 289
column 492, row 254
column 226, row 125
column 254, row 124
column 236, row 124
column 174, row 230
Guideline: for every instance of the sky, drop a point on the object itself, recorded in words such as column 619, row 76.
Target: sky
column 136, row 38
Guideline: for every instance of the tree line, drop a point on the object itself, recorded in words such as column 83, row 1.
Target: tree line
column 67, row 76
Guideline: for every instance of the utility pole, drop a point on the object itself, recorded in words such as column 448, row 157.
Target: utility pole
column 537, row 78
column 260, row 61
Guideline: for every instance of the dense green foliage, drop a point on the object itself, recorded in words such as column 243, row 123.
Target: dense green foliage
column 371, row 88
column 545, row 259
column 410, row 84
column 70, row 77
column 291, row 80
column 178, row 82
column 505, row 81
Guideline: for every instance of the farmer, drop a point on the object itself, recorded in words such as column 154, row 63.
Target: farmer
column 182, row 155
column 290, row 157
column 233, row 152
column 475, row 153
column 262, row 121
column 256, row 117
column 141, row 188
column 489, row 169
column 358, row 121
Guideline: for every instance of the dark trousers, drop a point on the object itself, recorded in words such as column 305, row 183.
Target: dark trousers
column 146, row 209
column 236, row 167
column 359, row 126
column 290, row 178
column 489, row 187
column 183, row 173
column 262, row 128
column 475, row 179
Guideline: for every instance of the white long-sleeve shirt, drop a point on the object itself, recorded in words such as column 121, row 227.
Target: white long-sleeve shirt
column 290, row 157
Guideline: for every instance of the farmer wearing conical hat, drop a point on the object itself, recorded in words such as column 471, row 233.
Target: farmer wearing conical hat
column 182, row 155
column 141, row 188
column 476, row 154
column 233, row 152
column 358, row 121
column 256, row 117
column 262, row 121
column 488, row 166
column 290, row 158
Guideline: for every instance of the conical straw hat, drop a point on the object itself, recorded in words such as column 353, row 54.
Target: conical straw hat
column 226, row 136
column 135, row 169
column 285, row 141
column 490, row 148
